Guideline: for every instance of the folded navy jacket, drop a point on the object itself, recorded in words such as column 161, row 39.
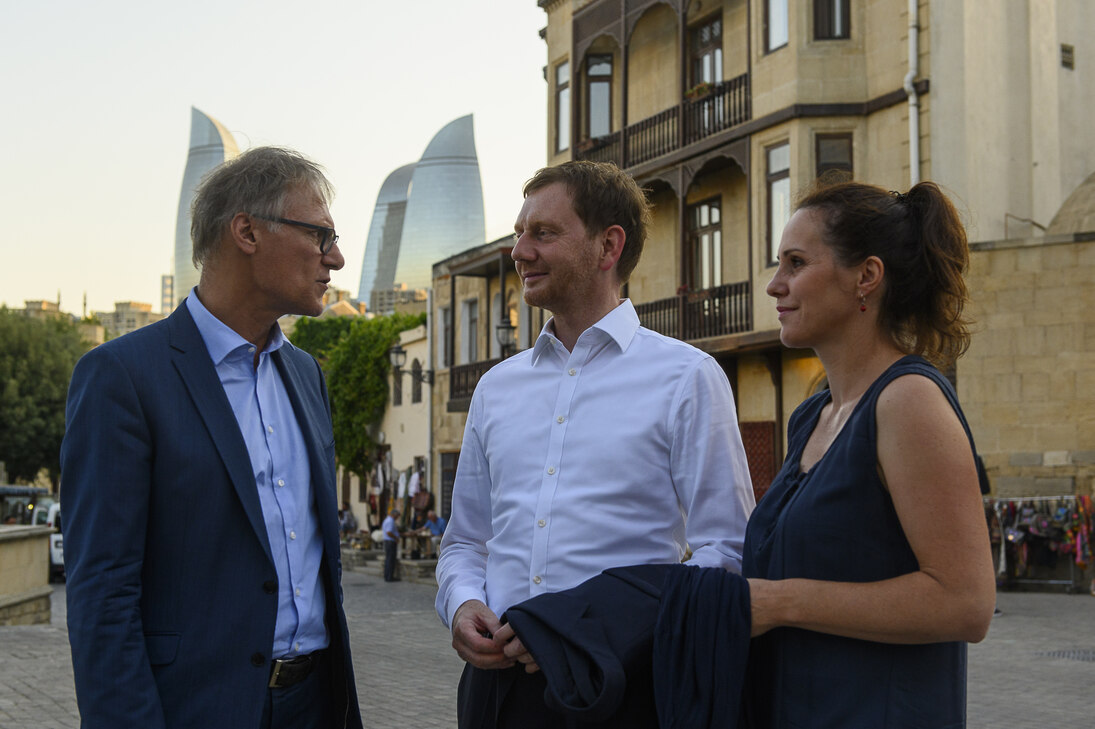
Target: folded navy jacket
column 662, row 644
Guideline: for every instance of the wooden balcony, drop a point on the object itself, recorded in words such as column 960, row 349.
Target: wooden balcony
column 463, row 379
column 726, row 105
column 695, row 315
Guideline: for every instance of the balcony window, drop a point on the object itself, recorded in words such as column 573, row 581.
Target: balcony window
column 705, row 243
column 469, row 331
column 705, row 47
column 562, row 106
column 775, row 25
column 833, row 153
column 397, row 387
column 778, row 180
column 831, row 19
column 599, row 95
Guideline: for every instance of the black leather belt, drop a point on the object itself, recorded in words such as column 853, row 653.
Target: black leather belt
column 289, row 671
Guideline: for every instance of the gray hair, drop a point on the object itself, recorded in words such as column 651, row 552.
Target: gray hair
column 257, row 182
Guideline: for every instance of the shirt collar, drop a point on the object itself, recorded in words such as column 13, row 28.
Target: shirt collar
column 220, row 339
column 620, row 325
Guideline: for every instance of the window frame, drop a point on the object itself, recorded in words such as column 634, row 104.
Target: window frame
column 416, row 381
column 695, row 241
column 562, row 116
column 821, row 168
column 769, row 47
column 697, row 53
column 590, row 80
column 826, row 15
column 770, row 180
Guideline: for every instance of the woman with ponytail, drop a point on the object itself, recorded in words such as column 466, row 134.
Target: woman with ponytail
column 868, row 558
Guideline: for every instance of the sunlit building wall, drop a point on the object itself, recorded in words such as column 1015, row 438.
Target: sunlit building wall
column 210, row 144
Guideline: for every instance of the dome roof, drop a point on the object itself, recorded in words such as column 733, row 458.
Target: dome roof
column 1077, row 215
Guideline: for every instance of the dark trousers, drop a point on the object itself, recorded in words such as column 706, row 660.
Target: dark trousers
column 306, row 705
column 513, row 699
column 390, row 547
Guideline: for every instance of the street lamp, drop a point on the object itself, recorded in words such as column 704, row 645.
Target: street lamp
column 398, row 357
column 507, row 337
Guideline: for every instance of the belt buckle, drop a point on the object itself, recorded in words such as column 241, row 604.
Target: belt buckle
column 278, row 663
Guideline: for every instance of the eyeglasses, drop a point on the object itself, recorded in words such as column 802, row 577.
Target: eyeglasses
column 327, row 236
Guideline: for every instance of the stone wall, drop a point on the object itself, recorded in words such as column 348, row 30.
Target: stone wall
column 24, row 575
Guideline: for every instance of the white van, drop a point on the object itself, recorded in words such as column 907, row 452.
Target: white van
column 56, row 543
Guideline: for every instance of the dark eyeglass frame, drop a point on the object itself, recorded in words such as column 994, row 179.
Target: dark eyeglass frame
column 326, row 243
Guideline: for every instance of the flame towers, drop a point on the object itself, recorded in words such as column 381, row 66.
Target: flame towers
column 210, row 145
column 424, row 213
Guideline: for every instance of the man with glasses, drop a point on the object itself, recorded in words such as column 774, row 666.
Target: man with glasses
column 201, row 521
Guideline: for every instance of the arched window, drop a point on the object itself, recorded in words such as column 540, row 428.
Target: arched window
column 416, row 381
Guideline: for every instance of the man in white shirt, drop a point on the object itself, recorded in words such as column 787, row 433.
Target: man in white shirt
column 604, row 445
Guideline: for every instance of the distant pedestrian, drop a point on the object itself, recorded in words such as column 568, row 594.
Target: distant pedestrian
column 390, row 528
column 201, row 526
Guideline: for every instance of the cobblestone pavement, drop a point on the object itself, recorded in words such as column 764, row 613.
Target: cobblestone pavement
column 1035, row 669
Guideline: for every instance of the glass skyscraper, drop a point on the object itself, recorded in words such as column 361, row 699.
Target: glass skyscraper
column 439, row 213
column 210, row 145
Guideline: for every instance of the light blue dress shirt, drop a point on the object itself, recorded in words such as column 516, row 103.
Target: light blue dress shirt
column 279, row 460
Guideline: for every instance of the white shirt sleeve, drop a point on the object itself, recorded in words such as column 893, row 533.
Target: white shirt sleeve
column 462, row 564
column 709, row 469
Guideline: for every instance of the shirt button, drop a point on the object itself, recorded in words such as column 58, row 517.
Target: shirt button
column 551, row 470
column 296, row 646
column 292, row 534
column 281, row 482
column 542, row 523
column 572, row 372
column 269, row 429
column 560, row 419
column 537, row 579
column 297, row 591
column 250, row 349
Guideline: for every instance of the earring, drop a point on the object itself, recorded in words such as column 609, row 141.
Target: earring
column 862, row 302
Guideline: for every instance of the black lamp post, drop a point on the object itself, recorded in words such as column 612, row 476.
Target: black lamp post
column 398, row 357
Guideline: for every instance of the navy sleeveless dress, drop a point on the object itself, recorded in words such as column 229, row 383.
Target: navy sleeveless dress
column 837, row 522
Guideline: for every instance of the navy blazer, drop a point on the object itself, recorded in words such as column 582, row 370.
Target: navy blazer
column 172, row 591
column 662, row 645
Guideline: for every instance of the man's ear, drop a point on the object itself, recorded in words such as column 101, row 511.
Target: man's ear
column 612, row 241
column 244, row 233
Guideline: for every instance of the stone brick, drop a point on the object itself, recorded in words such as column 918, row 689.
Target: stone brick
column 1083, row 457
column 1056, row 458
column 1054, row 486
column 1008, row 487
column 1025, row 459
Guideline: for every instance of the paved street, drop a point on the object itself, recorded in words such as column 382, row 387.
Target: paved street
column 1036, row 668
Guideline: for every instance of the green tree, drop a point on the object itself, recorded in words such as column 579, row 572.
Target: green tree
column 36, row 361
column 319, row 336
column 357, row 366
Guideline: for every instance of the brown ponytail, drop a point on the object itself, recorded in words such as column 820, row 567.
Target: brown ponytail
column 921, row 242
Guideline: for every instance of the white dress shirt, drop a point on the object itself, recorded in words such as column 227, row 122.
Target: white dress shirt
column 624, row 451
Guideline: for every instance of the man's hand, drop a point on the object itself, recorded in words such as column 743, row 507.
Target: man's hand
column 475, row 636
column 514, row 648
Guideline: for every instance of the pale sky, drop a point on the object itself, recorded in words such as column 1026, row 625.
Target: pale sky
column 95, row 121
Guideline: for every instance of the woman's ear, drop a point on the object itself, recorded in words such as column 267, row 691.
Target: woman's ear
column 871, row 272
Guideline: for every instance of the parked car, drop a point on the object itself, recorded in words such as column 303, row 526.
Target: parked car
column 56, row 543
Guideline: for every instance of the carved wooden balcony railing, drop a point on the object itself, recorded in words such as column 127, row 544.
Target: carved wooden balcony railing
column 727, row 105
column 463, row 378
column 700, row 314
